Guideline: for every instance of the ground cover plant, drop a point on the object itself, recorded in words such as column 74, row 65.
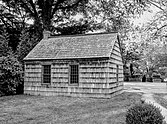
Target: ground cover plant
column 27, row 109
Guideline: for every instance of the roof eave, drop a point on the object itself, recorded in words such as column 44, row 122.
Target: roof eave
column 38, row 59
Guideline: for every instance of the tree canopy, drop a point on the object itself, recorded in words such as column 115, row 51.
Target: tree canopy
column 52, row 14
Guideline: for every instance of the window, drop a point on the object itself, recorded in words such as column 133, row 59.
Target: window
column 74, row 74
column 46, row 74
column 117, row 73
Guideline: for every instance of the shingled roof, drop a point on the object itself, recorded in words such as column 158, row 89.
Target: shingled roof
column 68, row 47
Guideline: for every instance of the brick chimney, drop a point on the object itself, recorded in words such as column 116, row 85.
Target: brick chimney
column 46, row 34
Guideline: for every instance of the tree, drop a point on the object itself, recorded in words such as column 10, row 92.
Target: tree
column 150, row 50
column 13, row 21
column 157, row 27
column 110, row 14
column 4, row 48
column 28, row 39
column 42, row 12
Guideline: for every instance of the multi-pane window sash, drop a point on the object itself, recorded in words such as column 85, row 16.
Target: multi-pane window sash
column 46, row 74
column 74, row 74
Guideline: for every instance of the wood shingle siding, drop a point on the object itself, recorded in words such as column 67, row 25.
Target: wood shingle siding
column 97, row 57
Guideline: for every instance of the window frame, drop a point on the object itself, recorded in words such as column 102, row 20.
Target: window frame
column 48, row 74
column 69, row 74
column 117, row 73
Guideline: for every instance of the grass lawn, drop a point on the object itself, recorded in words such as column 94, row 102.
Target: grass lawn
column 25, row 109
column 159, row 97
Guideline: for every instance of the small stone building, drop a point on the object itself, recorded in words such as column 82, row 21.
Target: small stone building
column 81, row 65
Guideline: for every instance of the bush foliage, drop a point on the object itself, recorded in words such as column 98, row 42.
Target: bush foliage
column 144, row 113
column 10, row 75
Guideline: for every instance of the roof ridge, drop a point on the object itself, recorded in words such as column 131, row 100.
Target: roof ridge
column 77, row 35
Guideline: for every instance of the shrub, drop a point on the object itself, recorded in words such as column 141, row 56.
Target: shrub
column 10, row 75
column 144, row 113
column 155, row 75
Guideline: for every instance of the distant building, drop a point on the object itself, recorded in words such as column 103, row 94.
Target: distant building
column 81, row 65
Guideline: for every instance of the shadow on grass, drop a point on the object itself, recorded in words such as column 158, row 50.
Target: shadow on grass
column 26, row 109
